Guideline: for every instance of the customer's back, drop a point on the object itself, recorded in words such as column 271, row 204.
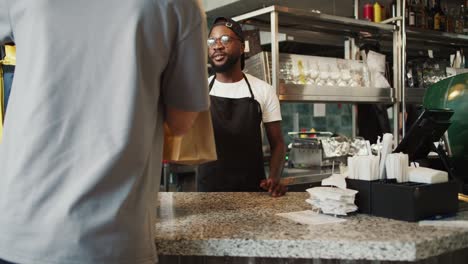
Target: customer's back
column 81, row 153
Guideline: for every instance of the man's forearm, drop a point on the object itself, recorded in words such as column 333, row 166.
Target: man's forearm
column 278, row 153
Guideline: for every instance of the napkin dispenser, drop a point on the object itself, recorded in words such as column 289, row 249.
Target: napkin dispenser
column 407, row 201
column 412, row 201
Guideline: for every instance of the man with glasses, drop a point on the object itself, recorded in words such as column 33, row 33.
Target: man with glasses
column 240, row 103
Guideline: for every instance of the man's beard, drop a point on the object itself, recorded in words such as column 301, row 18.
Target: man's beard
column 228, row 65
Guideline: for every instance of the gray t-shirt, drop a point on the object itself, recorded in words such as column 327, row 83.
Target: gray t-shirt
column 80, row 160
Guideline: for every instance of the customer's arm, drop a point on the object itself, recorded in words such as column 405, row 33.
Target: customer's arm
column 184, row 86
column 178, row 121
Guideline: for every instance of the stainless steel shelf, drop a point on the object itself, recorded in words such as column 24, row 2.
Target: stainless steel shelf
column 296, row 92
column 416, row 35
column 298, row 180
column 292, row 18
column 415, row 95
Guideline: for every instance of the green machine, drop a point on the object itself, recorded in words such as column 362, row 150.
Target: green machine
column 452, row 93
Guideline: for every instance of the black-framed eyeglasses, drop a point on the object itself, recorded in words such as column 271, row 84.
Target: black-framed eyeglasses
column 225, row 40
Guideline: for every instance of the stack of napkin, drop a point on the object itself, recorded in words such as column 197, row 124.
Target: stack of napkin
column 363, row 168
column 427, row 175
column 334, row 201
column 396, row 166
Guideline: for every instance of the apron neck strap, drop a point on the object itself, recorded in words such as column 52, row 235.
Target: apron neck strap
column 212, row 82
column 245, row 78
column 248, row 85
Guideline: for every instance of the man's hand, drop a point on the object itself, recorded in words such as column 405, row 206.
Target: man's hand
column 273, row 186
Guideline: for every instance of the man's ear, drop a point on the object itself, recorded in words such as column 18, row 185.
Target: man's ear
column 243, row 47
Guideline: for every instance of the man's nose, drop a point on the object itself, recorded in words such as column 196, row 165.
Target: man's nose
column 218, row 44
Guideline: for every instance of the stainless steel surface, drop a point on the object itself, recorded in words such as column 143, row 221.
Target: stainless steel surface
column 301, row 18
column 396, row 81
column 350, row 55
column 303, row 36
column 258, row 66
column 274, row 50
column 293, row 176
column 403, row 69
column 415, row 95
column 306, row 152
column 231, row 8
column 297, row 92
column 356, row 9
column 398, row 64
column 256, row 13
column 305, row 20
column 435, row 37
column 354, row 117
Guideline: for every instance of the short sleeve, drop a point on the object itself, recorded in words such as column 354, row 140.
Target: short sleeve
column 271, row 108
column 5, row 25
column 185, row 85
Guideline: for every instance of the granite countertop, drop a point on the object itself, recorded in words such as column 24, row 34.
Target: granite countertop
column 245, row 225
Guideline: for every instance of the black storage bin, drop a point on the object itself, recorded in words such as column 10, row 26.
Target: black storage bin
column 413, row 201
column 363, row 197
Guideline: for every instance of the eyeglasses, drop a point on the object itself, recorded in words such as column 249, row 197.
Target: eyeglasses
column 225, row 40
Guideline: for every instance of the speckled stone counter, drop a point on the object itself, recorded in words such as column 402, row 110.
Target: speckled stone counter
column 245, row 225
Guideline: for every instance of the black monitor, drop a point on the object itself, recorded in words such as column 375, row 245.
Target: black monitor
column 428, row 128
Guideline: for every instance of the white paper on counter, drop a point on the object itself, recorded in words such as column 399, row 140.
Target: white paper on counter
column 338, row 180
column 445, row 223
column 309, row 217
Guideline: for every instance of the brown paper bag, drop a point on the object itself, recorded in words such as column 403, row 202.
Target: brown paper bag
column 195, row 147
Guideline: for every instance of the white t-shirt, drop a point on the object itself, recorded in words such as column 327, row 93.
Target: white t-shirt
column 80, row 161
column 262, row 91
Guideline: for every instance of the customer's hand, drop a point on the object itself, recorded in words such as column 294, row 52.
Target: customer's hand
column 273, row 186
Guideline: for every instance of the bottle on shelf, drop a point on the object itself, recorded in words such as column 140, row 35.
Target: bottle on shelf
column 421, row 16
column 460, row 20
column 450, row 20
column 377, row 12
column 430, row 14
column 384, row 12
column 411, row 14
column 407, row 7
column 393, row 8
column 465, row 15
column 437, row 16
column 368, row 12
column 443, row 18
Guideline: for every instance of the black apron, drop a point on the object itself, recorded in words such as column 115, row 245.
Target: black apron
column 236, row 124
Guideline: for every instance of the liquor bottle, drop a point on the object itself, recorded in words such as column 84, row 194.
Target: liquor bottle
column 407, row 6
column 411, row 14
column 443, row 18
column 465, row 24
column 450, row 20
column 460, row 20
column 437, row 20
column 430, row 15
column 421, row 21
